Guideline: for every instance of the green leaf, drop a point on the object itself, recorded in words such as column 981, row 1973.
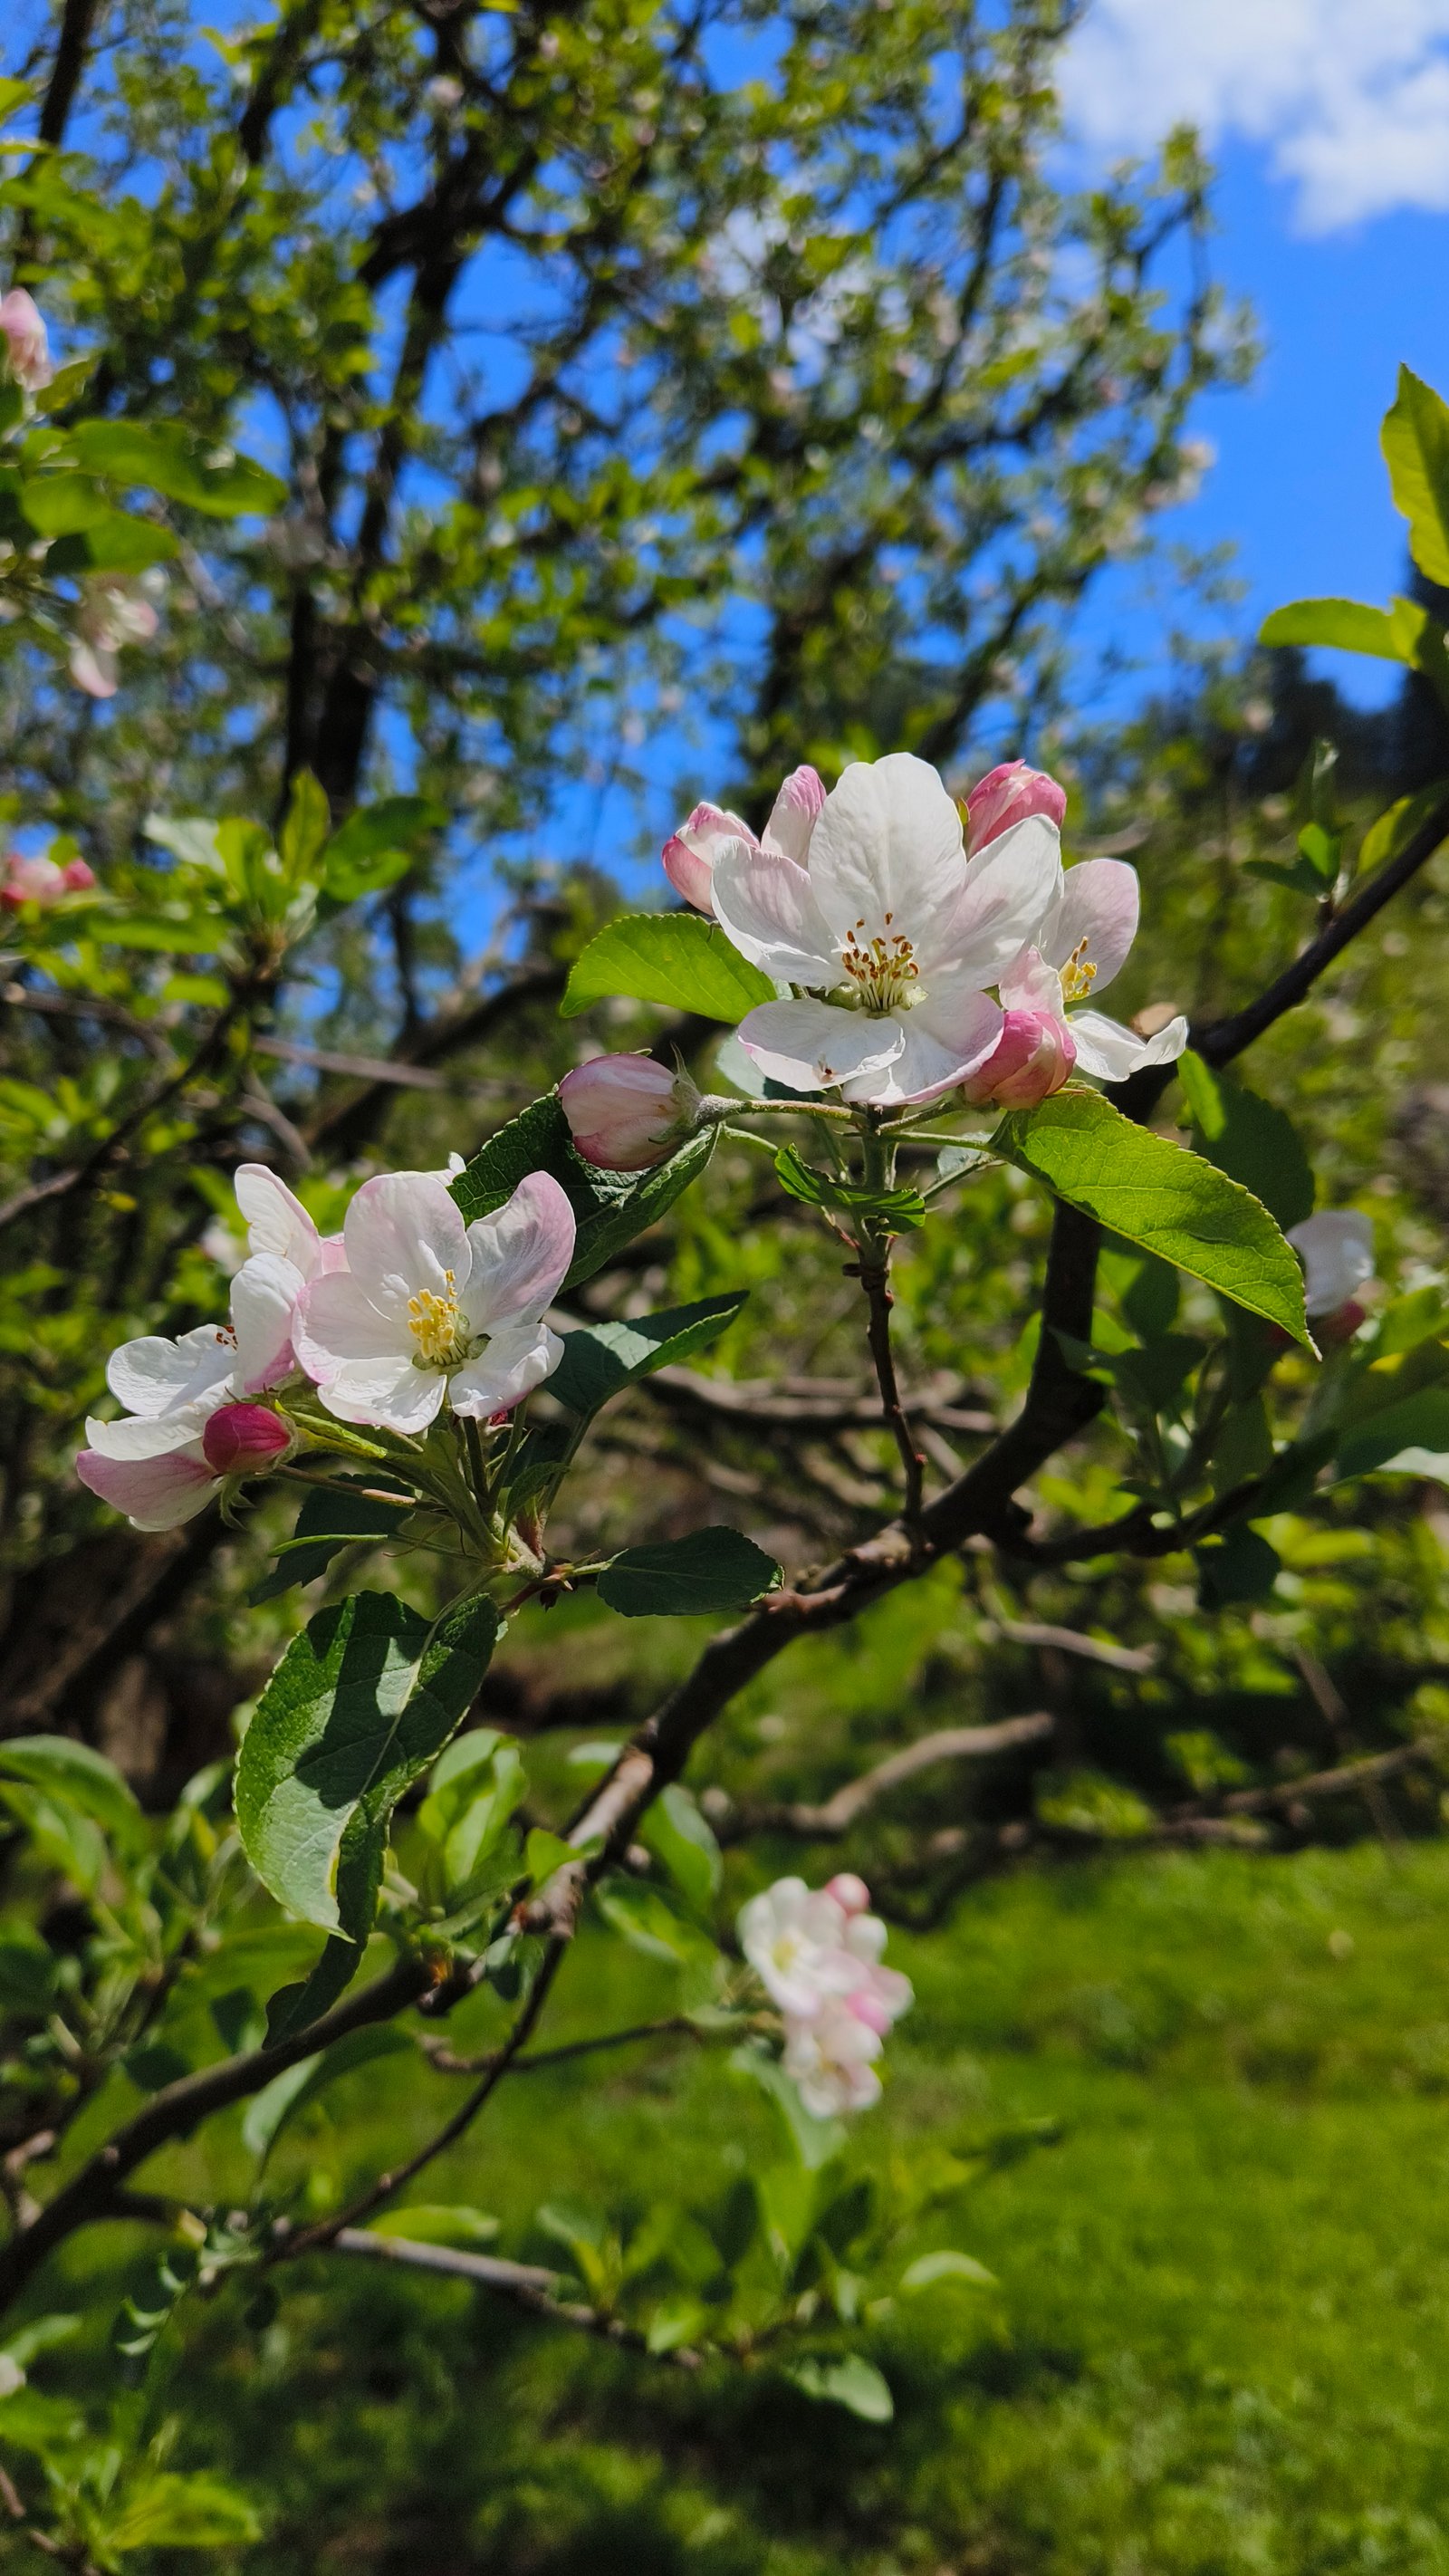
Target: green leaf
column 853, row 2383
column 1243, row 1566
column 181, row 2511
column 167, row 458
column 1249, row 1139
column 710, row 1571
column 81, row 1779
column 677, row 958
column 356, row 1710
column 1395, row 829
column 1162, row 1197
column 680, row 1839
column 191, row 934
column 651, row 1921
column 269, row 2111
column 1409, row 1438
column 543, row 1853
column 425, row 2222
column 123, row 544
column 599, row 1359
column 1415, row 439
column 1346, row 624
column 895, row 1208
column 329, row 1520
column 304, row 826
column 61, row 505
column 610, row 1208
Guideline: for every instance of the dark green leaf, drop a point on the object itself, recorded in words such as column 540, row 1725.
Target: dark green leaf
column 166, row 458
column 1410, row 1438
column 288, row 2093
column 711, row 1570
column 610, row 1208
column 619, row 1219
column 1249, row 1139
column 79, row 1778
column 1162, row 1197
column 894, row 1208
column 677, row 958
column 329, row 1520
column 357, row 1708
column 601, row 1358
column 1241, row 1567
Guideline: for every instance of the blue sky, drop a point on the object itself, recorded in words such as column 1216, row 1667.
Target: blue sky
column 1329, row 122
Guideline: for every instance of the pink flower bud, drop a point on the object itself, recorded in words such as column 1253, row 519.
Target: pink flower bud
column 850, row 1893
column 244, row 1440
column 870, row 2008
column 31, row 881
column 625, row 1111
column 1006, row 795
column 78, row 877
column 1030, row 1060
column 26, row 343
column 690, row 853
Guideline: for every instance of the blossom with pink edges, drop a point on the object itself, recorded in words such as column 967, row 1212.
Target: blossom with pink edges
column 113, row 611
column 691, row 853
column 42, row 881
column 430, row 1310
column 27, row 348
column 1007, row 795
column 1080, row 941
column 1030, row 1060
column 888, row 937
column 818, row 1954
column 626, row 1112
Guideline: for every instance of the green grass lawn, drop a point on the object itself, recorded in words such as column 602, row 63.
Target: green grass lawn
column 1220, row 2341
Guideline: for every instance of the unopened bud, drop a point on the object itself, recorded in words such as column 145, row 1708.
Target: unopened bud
column 850, row 1893
column 690, row 853
column 1007, row 795
column 244, row 1440
column 1030, row 1060
column 626, row 1112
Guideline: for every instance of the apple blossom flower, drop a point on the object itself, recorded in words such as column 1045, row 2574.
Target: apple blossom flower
column 1076, row 948
column 154, row 1464
column 1006, row 795
column 892, row 936
column 42, row 880
column 113, row 611
column 429, row 1308
column 26, row 345
column 277, row 1222
column 818, row 1955
column 626, row 1112
column 1336, row 1248
column 690, row 854
column 1030, row 1060
column 830, row 2060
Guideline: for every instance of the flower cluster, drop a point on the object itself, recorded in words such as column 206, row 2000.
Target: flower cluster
column 114, row 610
column 817, row 1952
column 40, row 880
column 406, row 1309
column 27, row 349
column 885, row 927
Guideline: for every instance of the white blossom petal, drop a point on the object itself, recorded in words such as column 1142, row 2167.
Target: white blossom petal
column 519, row 1256
column 517, row 1358
column 403, row 1233
column 264, row 1297
column 1009, row 887
column 887, row 857
column 154, row 1493
column 276, row 1221
column 154, row 1375
column 1029, row 984
column 794, row 813
column 337, row 1321
column 1109, row 1051
column 810, row 1045
column 942, row 1043
column 388, row 1394
column 1097, row 911
column 766, row 907
column 1336, row 1248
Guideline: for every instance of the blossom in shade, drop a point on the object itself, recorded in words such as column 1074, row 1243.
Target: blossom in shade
column 1336, row 1248
column 113, row 611
column 818, row 1954
column 1030, row 1060
column 690, row 854
column 891, row 935
column 1080, row 941
column 1007, row 795
column 154, row 1464
column 430, row 1310
column 625, row 1111
column 27, row 347
column 41, row 880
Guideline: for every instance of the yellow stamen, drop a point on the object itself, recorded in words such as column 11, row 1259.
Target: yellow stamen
column 883, row 971
column 436, row 1326
column 1078, row 975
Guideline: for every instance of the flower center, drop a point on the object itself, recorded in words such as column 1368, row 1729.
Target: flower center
column 883, row 972
column 436, row 1325
column 1078, row 976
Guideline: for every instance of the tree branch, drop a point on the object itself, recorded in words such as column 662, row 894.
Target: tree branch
column 527, row 2285
column 829, row 1822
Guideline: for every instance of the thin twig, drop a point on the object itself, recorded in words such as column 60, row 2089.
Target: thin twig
column 528, row 2285
column 829, row 1822
column 677, row 2025
column 873, row 1272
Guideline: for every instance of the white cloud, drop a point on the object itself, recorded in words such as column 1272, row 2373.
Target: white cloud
column 1351, row 97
